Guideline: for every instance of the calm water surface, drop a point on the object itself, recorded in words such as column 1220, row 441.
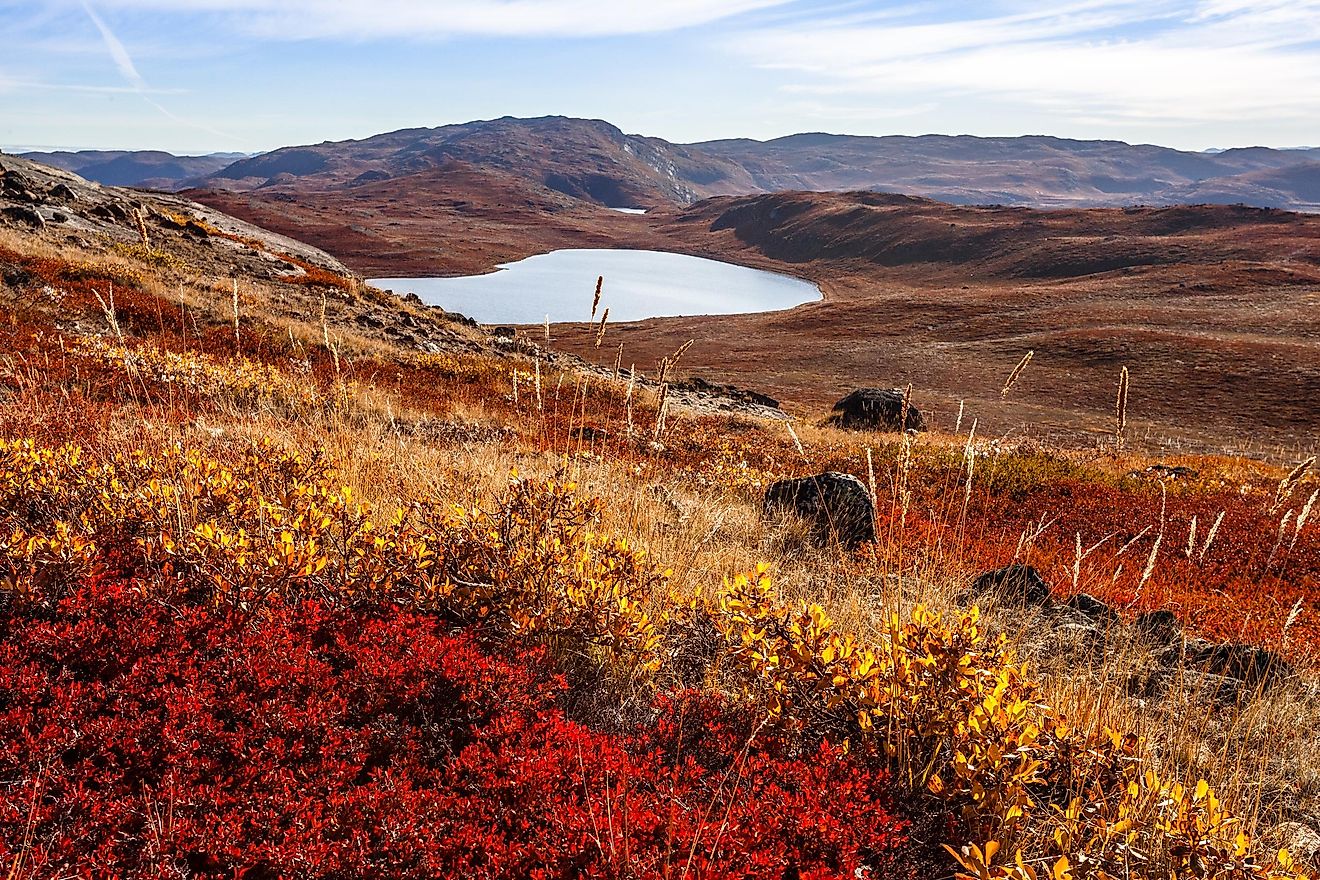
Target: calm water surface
column 638, row 285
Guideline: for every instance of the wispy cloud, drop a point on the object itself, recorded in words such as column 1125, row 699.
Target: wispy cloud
column 1110, row 61
column 128, row 70
column 308, row 19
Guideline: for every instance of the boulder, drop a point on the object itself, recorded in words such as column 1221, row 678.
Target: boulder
column 504, row 332
column 24, row 214
column 1159, row 627
column 836, row 505
column 63, row 192
column 1093, row 609
column 876, row 409
column 1015, row 584
column 1254, row 666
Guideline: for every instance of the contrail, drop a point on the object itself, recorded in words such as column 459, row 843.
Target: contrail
column 117, row 51
column 128, row 70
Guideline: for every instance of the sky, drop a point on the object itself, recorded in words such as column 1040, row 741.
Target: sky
column 199, row 76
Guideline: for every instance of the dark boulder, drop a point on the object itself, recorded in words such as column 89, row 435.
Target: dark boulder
column 836, row 505
column 1092, row 609
column 1017, row 584
column 24, row 214
column 1159, row 627
column 112, row 212
column 63, row 192
column 504, row 332
column 1248, row 663
column 877, row 409
column 17, row 187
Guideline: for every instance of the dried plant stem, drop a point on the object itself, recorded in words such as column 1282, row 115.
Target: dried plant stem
column 141, row 221
column 1120, row 408
column 1017, row 371
column 1210, row 538
column 1303, row 517
column 595, row 302
column 108, row 307
column 870, row 479
column 539, row 403
column 600, row 332
column 796, row 442
column 237, row 340
column 1289, row 483
column 1292, row 618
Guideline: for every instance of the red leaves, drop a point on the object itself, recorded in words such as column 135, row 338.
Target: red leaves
column 142, row 740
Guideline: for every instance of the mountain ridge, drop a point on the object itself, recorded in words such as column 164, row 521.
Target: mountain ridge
column 595, row 161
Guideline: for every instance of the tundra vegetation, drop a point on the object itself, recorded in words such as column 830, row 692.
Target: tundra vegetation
column 281, row 597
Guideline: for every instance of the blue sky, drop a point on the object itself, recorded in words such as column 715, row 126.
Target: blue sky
column 248, row 75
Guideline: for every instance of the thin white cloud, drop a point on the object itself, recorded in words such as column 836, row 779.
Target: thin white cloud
column 128, row 70
column 309, row 19
column 1161, row 61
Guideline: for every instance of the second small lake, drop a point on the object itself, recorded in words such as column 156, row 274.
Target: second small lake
column 638, row 284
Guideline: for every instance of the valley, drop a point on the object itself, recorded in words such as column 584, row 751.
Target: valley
column 1211, row 307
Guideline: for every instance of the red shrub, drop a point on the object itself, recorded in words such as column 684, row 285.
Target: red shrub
column 141, row 740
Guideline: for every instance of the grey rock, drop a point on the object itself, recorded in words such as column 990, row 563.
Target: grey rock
column 63, row 192
column 877, row 409
column 836, row 505
column 1016, row 584
column 1302, row 841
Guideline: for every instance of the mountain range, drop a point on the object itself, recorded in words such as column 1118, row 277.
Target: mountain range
column 595, row 161
column 148, row 169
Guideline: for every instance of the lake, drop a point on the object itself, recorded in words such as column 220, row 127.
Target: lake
column 638, row 284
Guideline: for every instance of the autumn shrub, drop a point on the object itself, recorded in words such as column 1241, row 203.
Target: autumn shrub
column 271, row 523
column 144, row 739
column 960, row 719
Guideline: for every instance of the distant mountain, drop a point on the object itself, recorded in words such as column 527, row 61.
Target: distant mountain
column 587, row 159
column 594, row 161
column 1043, row 172
column 150, row 169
